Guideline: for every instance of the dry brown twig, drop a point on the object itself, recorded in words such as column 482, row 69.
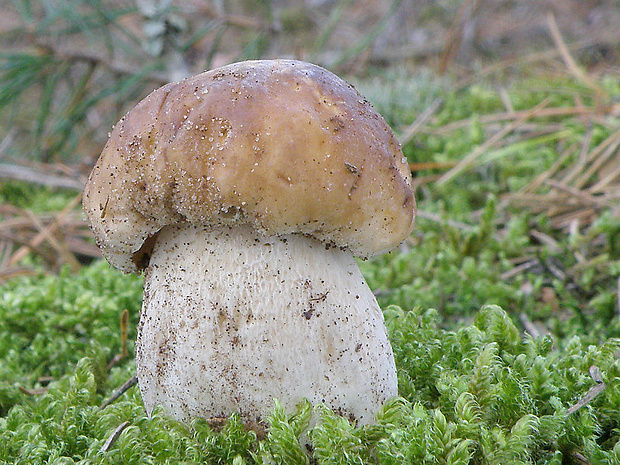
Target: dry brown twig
column 597, row 389
column 120, row 391
column 107, row 445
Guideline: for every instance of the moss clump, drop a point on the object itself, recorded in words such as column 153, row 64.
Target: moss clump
column 482, row 393
column 48, row 323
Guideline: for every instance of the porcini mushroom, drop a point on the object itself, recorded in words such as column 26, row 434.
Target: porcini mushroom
column 244, row 193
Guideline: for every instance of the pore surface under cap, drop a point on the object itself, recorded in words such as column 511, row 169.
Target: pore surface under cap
column 281, row 145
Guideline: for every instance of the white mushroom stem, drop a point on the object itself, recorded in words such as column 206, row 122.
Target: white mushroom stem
column 232, row 320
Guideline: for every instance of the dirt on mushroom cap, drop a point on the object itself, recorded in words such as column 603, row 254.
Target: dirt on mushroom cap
column 282, row 145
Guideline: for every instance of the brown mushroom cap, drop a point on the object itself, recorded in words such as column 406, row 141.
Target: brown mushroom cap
column 282, row 145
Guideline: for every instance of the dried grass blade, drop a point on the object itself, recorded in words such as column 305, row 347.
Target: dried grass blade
column 613, row 174
column 414, row 127
column 581, row 215
column 470, row 159
column 82, row 247
column 28, row 174
column 11, row 273
column 567, row 58
column 599, row 161
column 19, row 240
column 62, row 250
column 507, row 116
column 430, row 165
column 41, row 236
column 553, row 169
column 584, row 197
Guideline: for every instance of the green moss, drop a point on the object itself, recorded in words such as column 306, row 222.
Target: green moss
column 33, row 197
column 479, row 394
column 48, row 323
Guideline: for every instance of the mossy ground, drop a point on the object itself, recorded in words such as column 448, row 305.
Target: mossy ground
column 475, row 388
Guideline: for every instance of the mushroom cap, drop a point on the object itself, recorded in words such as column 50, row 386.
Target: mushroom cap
column 281, row 145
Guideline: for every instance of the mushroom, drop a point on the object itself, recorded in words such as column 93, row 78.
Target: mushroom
column 244, row 194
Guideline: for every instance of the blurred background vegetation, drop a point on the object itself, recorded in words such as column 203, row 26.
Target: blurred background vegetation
column 69, row 69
